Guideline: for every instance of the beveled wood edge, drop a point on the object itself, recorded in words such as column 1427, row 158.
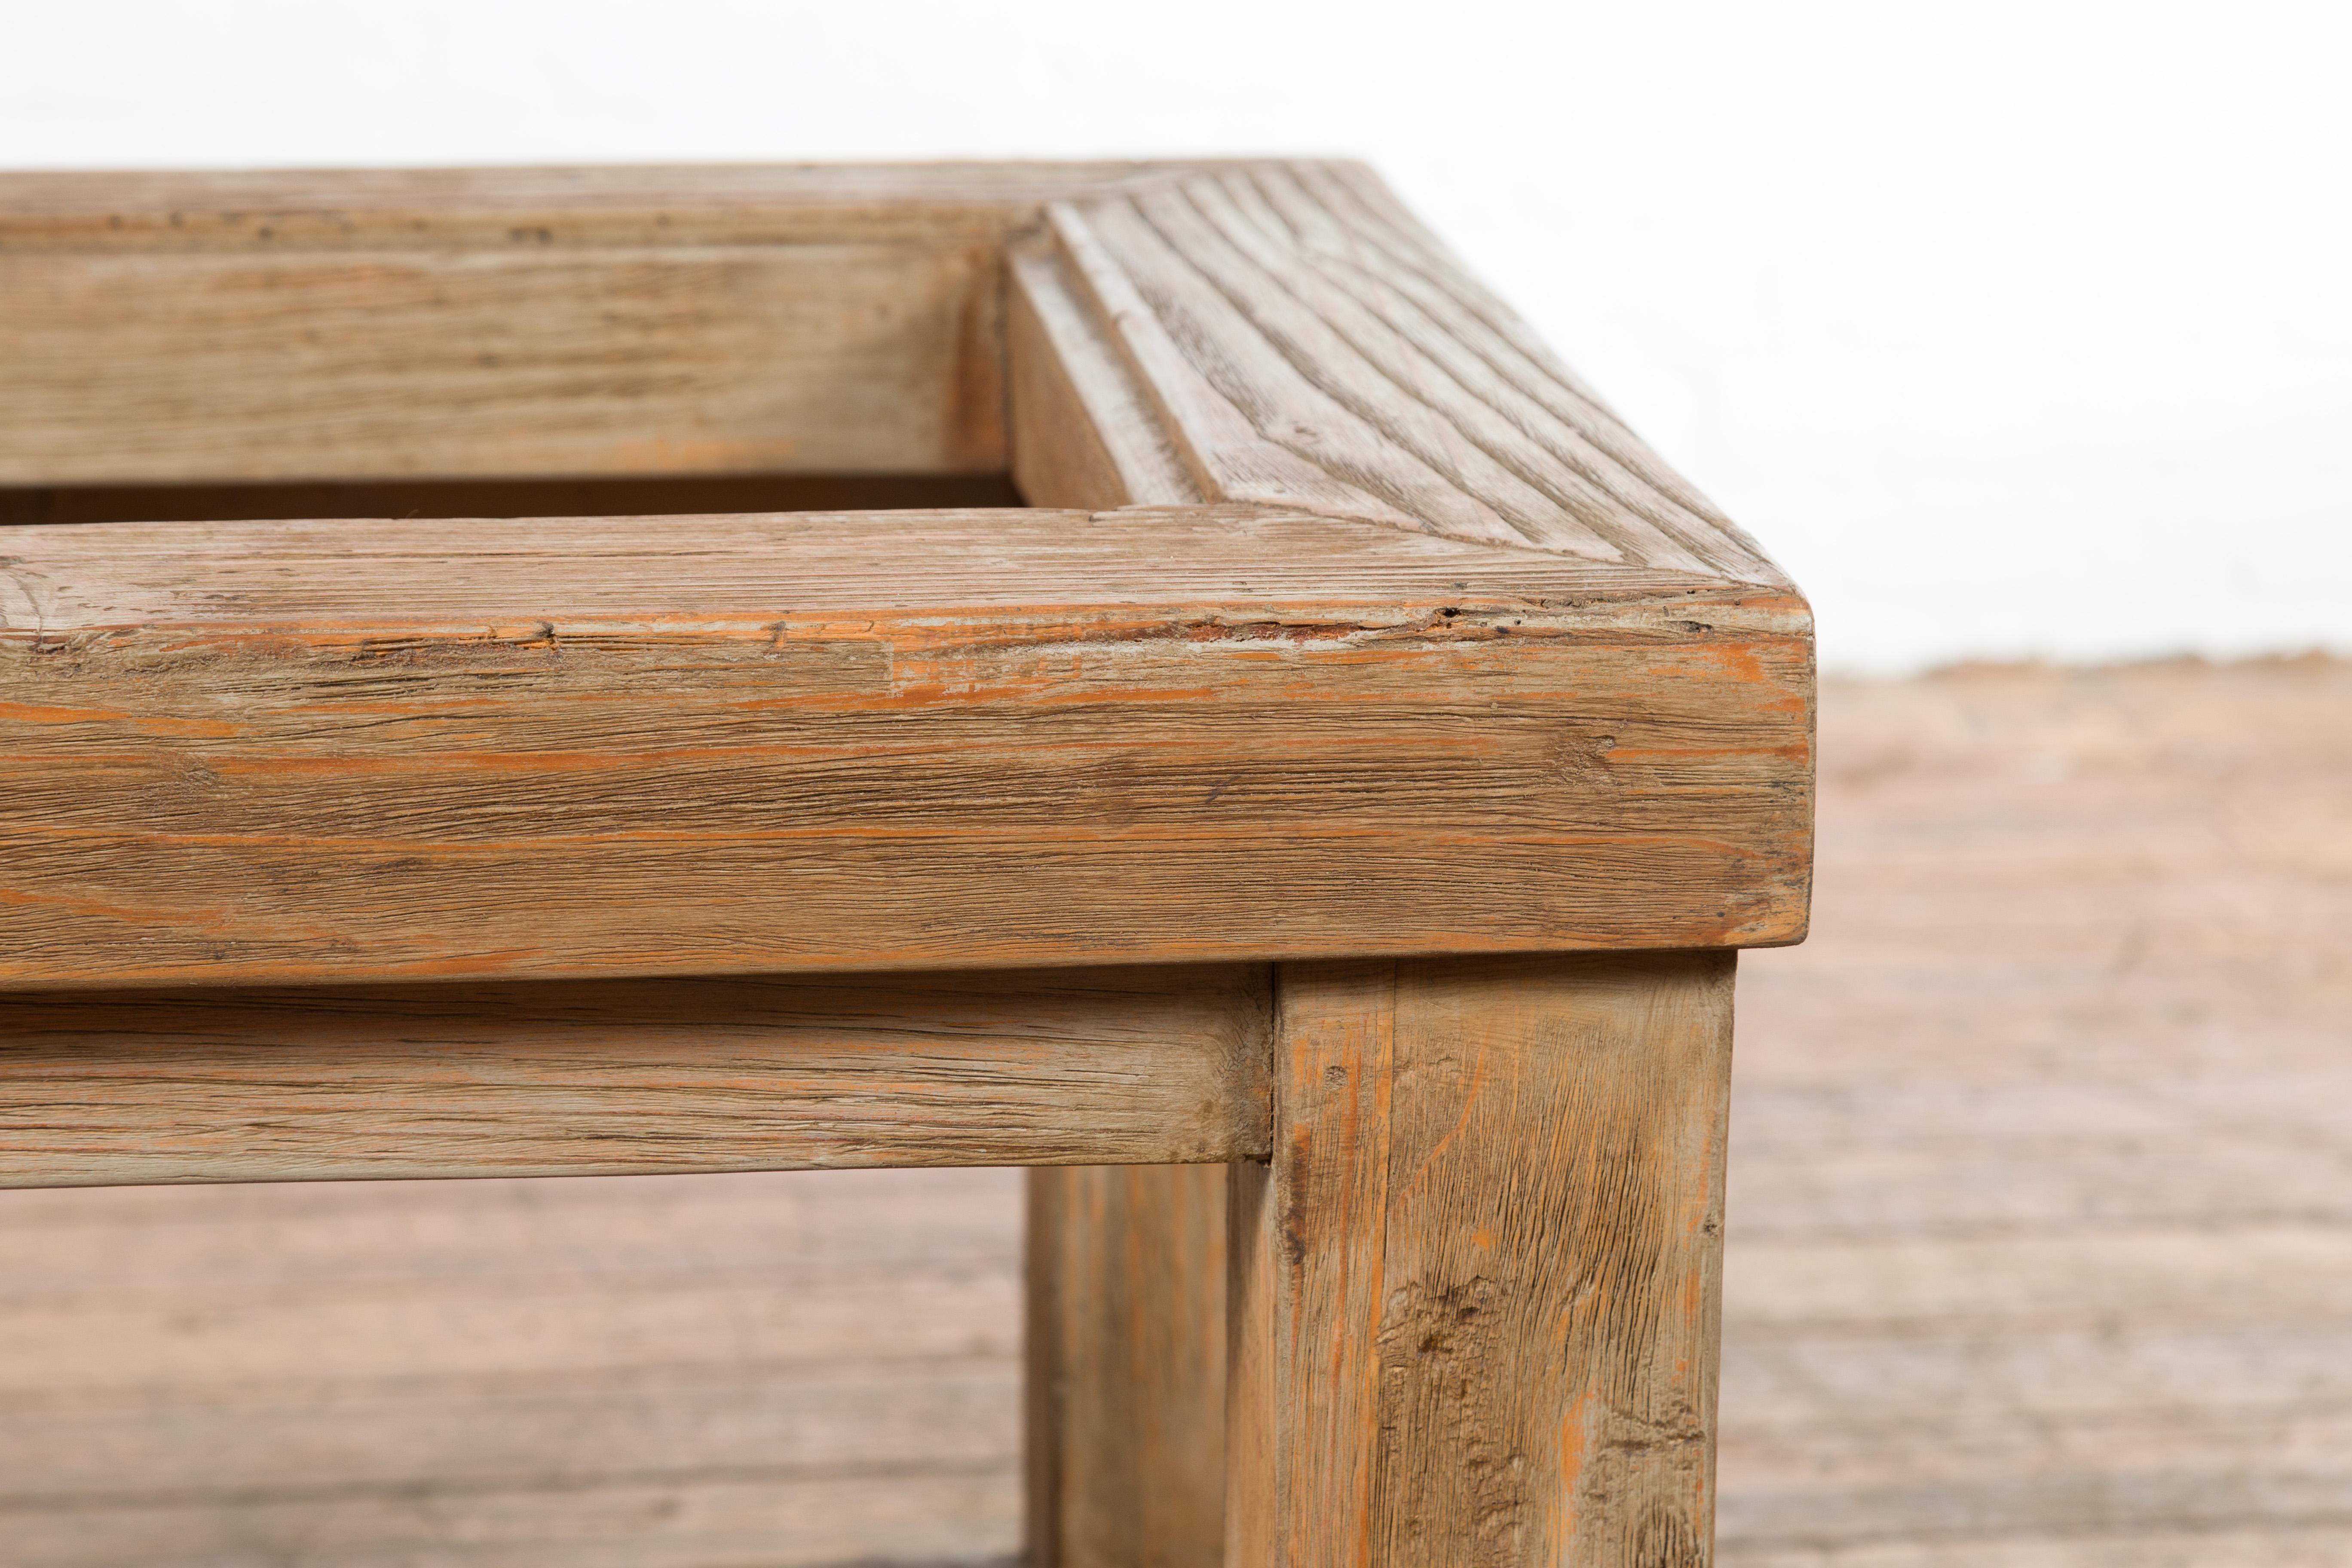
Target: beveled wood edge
column 1038, row 564
column 1300, row 341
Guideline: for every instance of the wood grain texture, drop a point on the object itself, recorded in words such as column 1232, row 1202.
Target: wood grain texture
column 686, row 495
column 1368, row 631
column 1908, row 1150
column 968, row 1068
column 1084, row 435
column 174, row 327
column 277, row 210
column 366, row 750
column 1308, row 346
column 1125, row 1373
column 354, row 364
column 1476, row 1297
column 1125, row 1366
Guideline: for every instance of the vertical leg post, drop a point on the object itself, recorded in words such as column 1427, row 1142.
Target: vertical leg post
column 1475, row 1299
column 1126, row 1355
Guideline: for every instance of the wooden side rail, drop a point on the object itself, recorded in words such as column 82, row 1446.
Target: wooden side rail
column 377, row 324
column 634, row 1077
column 311, row 752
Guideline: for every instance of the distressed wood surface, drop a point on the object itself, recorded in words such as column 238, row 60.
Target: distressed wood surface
column 1475, row 1297
column 1449, row 661
column 1123, row 1430
column 1124, row 1427
column 1309, row 346
column 622, row 1076
column 1987, row 1302
column 677, row 495
column 269, row 210
column 1084, row 434
column 175, row 327
column 431, row 749
column 533, row 359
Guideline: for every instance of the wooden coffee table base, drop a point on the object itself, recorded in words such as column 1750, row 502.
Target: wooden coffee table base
column 1316, row 831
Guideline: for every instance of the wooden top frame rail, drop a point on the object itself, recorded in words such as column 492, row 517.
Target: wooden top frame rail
column 1350, row 621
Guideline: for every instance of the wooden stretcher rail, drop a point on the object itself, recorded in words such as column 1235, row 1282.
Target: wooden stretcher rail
column 1151, row 1066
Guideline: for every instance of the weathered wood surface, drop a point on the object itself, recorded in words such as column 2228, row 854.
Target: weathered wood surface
column 273, row 210
column 1309, row 346
column 693, row 494
column 1368, row 631
column 534, row 359
column 2035, row 1251
column 1278, row 726
column 428, row 749
column 186, row 326
column 1475, row 1299
column 1125, row 1411
column 1125, row 1415
column 1035, row 1066
column 1084, row 434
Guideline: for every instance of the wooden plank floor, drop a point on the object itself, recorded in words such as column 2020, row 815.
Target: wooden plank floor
column 668, row 1372
column 2040, row 1217
column 2040, row 1245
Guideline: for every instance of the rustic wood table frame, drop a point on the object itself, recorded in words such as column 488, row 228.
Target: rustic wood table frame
column 1315, row 831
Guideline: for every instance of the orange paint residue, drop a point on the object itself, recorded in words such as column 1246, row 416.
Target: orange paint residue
column 32, row 713
column 1738, row 661
column 141, row 916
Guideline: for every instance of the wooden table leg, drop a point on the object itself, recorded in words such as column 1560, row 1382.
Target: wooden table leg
column 1474, row 1298
column 1126, row 1369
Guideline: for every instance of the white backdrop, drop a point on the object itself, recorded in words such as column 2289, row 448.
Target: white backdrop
column 2011, row 328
